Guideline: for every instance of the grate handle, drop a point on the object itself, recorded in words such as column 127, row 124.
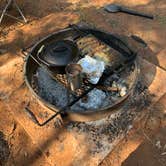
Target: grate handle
column 139, row 40
column 35, row 120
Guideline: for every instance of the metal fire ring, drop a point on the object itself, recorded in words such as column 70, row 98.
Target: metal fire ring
column 30, row 67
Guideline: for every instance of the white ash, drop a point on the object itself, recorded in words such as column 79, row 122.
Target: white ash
column 94, row 101
column 50, row 89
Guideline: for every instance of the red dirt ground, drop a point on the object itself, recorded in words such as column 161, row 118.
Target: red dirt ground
column 146, row 143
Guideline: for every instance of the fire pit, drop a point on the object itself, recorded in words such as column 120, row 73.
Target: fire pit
column 90, row 102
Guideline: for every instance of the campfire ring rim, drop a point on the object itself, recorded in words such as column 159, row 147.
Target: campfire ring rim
column 53, row 108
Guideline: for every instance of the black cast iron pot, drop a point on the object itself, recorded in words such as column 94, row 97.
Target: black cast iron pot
column 57, row 54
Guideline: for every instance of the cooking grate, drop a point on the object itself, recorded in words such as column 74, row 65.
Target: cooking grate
column 90, row 45
column 114, row 61
column 59, row 87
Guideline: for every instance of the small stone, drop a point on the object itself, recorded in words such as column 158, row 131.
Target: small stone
column 123, row 91
column 164, row 147
column 158, row 144
column 114, row 84
column 25, row 154
column 47, row 153
column 164, row 153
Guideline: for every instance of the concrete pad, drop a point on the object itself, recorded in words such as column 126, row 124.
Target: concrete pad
column 68, row 145
column 153, row 77
column 136, row 136
column 22, row 150
column 147, row 153
column 157, row 59
column 161, row 58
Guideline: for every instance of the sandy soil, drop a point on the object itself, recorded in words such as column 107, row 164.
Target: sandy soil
column 146, row 145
